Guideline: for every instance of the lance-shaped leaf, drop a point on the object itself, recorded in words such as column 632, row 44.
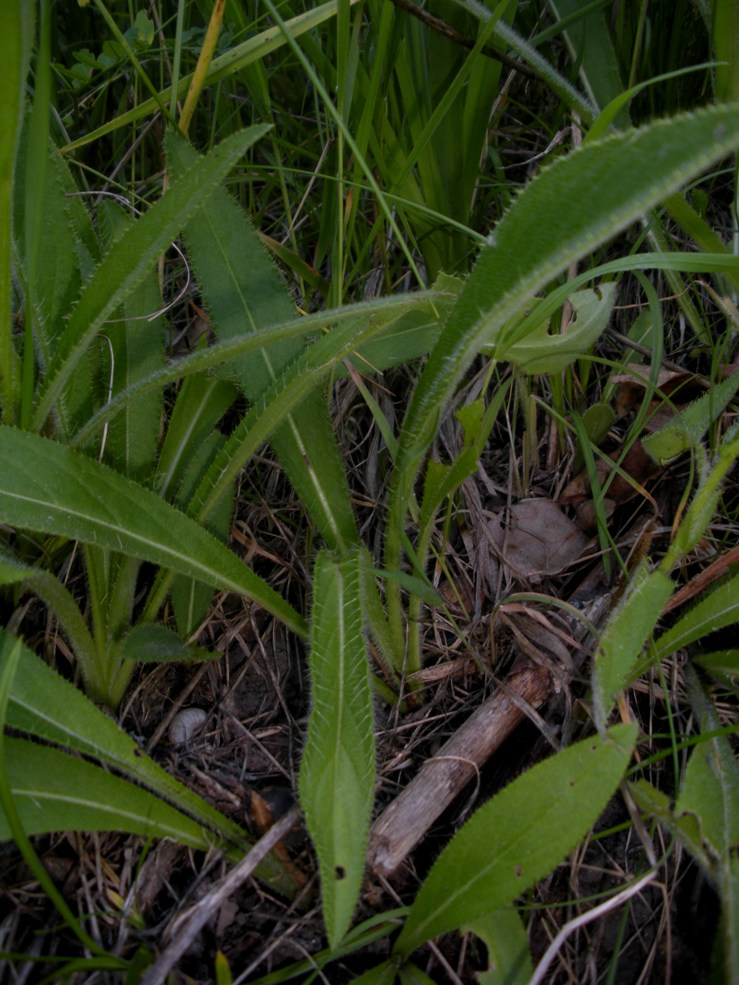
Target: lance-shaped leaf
column 54, row 791
column 338, row 770
column 572, row 207
column 243, row 292
column 518, row 836
column 47, row 487
column 131, row 257
column 715, row 610
column 45, row 705
column 624, row 636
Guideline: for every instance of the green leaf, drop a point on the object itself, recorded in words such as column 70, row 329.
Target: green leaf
column 133, row 255
column 541, row 352
column 54, row 791
column 367, row 319
column 191, row 443
column 624, row 636
column 710, row 786
column 45, row 705
column 381, row 974
column 16, row 29
column 230, row 62
column 504, row 935
column 687, row 827
column 302, row 376
column 244, row 292
column 338, row 769
column 58, row 597
column 591, row 47
column 714, row 610
column 706, row 819
column 47, row 487
column 572, row 207
column 137, row 348
column 157, row 644
column 702, row 509
column 725, row 37
column 518, row 837
column 569, row 209
column 723, row 665
column 689, row 425
column 201, row 403
column 411, row 974
column 51, row 286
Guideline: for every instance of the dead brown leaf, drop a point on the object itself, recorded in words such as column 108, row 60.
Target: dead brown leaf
column 538, row 540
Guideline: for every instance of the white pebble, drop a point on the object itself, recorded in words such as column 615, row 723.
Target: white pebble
column 185, row 724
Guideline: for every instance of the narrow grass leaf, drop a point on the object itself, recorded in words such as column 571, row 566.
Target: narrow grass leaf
column 702, row 509
column 624, row 637
column 518, row 836
column 591, row 47
column 201, row 403
column 338, row 769
column 47, row 487
column 229, row 63
column 52, row 284
column 129, row 259
column 725, row 37
column 191, row 443
column 137, row 347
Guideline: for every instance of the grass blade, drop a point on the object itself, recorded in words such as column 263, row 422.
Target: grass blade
column 229, row 63
column 624, row 637
column 137, row 350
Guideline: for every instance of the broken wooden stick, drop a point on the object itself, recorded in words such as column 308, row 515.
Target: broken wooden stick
column 407, row 819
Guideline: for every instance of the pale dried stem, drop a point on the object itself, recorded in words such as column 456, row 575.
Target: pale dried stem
column 192, row 922
column 407, row 819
